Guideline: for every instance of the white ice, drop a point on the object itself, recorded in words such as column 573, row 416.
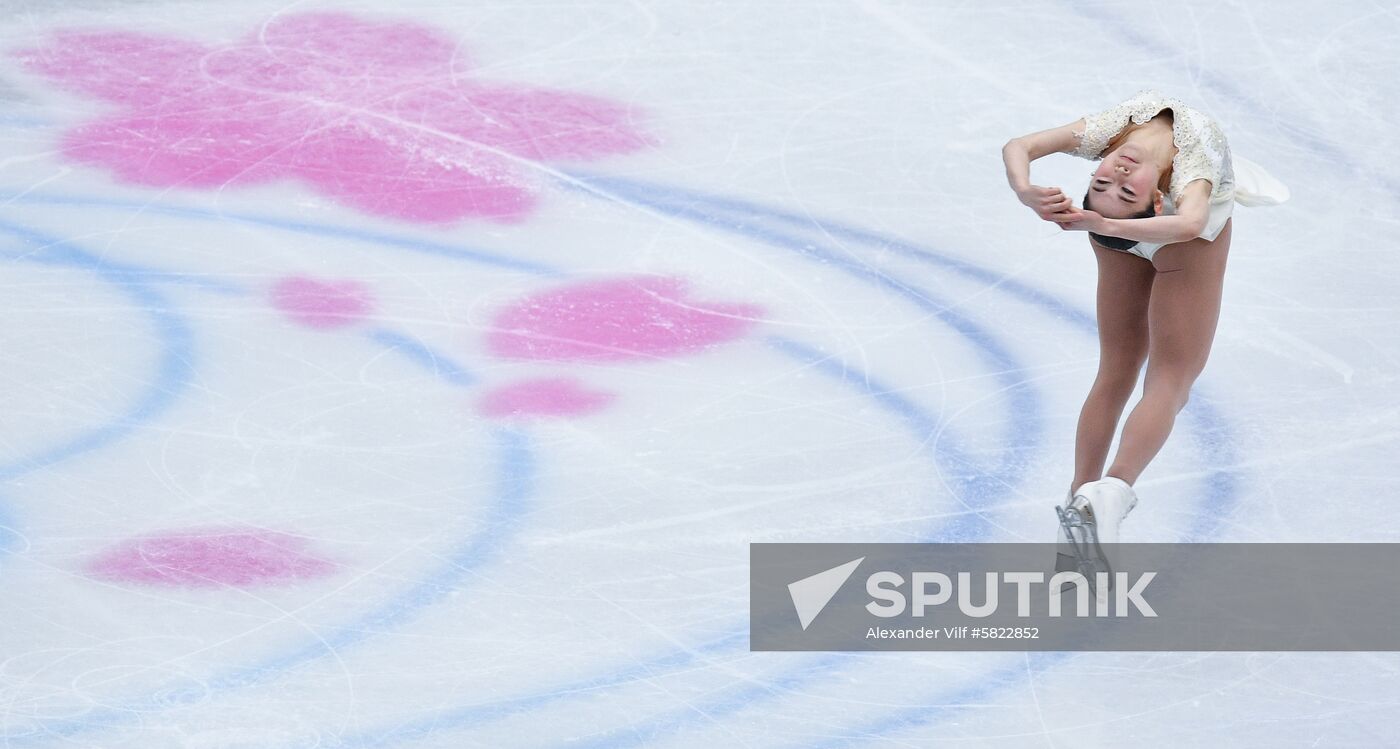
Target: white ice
column 582, row 581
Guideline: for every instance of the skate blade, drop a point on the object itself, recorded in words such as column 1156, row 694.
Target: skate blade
column 1088, row 557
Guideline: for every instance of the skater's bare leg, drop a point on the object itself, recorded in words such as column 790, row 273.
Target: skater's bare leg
column 1124, row 288
column 1182, row 316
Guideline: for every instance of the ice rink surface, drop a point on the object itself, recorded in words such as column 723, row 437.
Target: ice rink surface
column 416, row 374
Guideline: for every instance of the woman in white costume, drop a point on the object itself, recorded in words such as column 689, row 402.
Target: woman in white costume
column 1158, row 212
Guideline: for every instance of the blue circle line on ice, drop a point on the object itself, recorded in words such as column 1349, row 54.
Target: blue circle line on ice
column 273, row 667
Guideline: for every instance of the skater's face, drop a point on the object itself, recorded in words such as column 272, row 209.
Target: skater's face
column 1125, row 184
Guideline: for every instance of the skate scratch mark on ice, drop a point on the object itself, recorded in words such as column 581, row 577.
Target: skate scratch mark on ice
column 1319, row 355
column 10, row 537
column 911, row 32
column 1039, row 713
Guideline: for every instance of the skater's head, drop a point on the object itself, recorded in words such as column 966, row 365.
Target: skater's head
column 1130, row 180
column 1124, row 188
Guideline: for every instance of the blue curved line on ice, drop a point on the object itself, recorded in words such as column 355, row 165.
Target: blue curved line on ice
column 425, row 246
column 174, row 369
column 439, row 364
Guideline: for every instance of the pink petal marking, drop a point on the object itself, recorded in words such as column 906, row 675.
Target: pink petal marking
column 322, row 304
column 630, row 318
column 382, row 116
column 210, row 558
column 559, row 396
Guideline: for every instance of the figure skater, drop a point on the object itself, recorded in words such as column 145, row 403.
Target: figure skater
column 1158, row 213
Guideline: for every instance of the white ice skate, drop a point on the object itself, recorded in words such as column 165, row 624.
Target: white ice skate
column 1090, row 519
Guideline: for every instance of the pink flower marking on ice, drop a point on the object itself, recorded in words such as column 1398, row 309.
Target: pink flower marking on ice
column 322, row 304
column 559, row 396
column 210, row 558
column 381, row 116
column 630, row 318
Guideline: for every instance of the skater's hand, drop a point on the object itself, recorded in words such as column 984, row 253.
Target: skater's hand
column 1045, row 201
column 1079, row 219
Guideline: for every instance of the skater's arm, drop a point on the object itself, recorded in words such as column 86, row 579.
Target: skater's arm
column 1181, row 226
column 1018, row 153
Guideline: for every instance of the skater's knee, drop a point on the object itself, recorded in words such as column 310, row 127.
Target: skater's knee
column 1117, row 377
column 1175, row 391
column 1172, row 380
